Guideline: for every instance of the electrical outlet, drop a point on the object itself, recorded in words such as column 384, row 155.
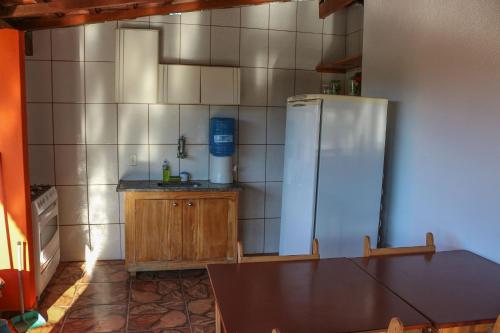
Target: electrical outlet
column 132, row 160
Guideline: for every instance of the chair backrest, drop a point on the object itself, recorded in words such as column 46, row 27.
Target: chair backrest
column 313, row 256
column 275, row 330
column 496, row 327
column 428, row 248
column 395, row 326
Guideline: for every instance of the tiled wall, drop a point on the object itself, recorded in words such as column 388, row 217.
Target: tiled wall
column 80, row 140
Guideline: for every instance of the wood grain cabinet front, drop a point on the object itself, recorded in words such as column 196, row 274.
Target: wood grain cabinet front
column 179, row 230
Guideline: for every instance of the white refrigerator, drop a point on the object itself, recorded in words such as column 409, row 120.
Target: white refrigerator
column 333, row 169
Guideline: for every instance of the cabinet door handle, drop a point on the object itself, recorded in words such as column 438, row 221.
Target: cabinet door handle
column 174, row 204
column 190, row 203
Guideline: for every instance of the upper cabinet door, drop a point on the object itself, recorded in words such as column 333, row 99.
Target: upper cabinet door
column 183, row 84
column 136, row 66
column 220, row 85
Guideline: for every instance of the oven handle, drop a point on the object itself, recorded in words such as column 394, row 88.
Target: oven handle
column 48, row 214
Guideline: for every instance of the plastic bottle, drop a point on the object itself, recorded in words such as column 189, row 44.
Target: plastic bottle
column 166, row 171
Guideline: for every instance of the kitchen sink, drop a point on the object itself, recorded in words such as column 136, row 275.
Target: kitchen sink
column 179, row 184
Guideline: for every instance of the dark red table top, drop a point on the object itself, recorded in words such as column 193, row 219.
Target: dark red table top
column 330, row 295
column 451, row 288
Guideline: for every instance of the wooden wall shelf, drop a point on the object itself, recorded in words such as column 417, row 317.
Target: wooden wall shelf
column 342, row 65
column 328, row 7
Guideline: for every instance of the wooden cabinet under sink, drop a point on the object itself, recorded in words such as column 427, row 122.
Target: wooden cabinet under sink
column 179, row 230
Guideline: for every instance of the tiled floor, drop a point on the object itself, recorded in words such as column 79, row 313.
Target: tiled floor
column 103, row 298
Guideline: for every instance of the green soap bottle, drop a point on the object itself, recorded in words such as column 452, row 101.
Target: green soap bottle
column 166, row 171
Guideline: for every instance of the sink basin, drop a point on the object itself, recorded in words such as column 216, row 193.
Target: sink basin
column 179, row 184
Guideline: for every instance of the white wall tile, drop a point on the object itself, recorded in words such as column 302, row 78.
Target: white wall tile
column 194, row 123
column 273, row 199
column 102, row 164
column 103, row 204
column 252, row 200
column 105, row 239
column 333, row 48
column 281, row 49
column 198, row 17
column 253, row 86
column 195, row 44
column 41, row 164
column 354, row 43
column 252, row 125
column 252, row 235
column 272, row 236
column 274, row 162
column 131, row 24
column 227, row 111
column 308, row 50
column 69, row 123
column 196, row 162
column 276, row 124
column 38, row 81
column 170, row 42
column 70, row 165
column 229, row 17
column 255, row 16
column 254, row 47
column 163, row 124
column 165, row 18
column 308, row 18
column 101, row 123
column 335, row 24
column 39, row 123
column 73, row 207
column 68, row 81
column 283, row 16
column 140, row 171
column 307, row 82
column 225, row 46
column 251, row 163
column 41, row 45
column 132, row 123
column 121, row 202
column 100, row 41
column 354, row 18
column 74, row 242
column 100, row 82
column 67, row 43
column 280, row 86
column 158, row 154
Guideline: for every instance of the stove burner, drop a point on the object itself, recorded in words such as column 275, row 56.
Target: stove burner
column 37, row 190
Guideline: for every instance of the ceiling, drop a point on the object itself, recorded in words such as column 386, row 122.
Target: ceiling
column 43, row 14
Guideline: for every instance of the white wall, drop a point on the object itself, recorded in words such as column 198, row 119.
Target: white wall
column 438, row 61
column 80, row 139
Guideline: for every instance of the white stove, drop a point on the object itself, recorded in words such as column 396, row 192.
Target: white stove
column 45, row 220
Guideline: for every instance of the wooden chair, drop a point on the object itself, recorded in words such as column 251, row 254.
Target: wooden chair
column 395, row 326
column 313, row 256
column 428, row 248
column 496, row 327
column 275, row 330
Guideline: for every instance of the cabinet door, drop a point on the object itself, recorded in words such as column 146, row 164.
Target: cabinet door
column 158, row 230
column 220, row 85
column 137, row 66
column 214, row 230
column 190, row 219
column 183, row 84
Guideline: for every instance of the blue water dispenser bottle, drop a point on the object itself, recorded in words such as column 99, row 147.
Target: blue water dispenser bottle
column 221, row 150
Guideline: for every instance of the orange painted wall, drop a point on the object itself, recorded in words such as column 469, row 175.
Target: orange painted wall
column 14, row 199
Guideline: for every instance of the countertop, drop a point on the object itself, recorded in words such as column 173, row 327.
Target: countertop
column 153, row 186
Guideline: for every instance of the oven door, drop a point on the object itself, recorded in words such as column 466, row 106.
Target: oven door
column 48, row 226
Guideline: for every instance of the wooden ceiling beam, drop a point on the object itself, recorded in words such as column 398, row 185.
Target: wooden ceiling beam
column 130, row 13
column 65, row 6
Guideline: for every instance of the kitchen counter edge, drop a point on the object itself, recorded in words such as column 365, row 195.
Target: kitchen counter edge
column 152, row 186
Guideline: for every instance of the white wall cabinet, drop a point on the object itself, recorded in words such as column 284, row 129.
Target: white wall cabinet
column 136, row 65
column 220, row 85
column 183, row 84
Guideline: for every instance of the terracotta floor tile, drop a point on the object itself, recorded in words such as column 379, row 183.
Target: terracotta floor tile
column 203, row 329
column 155, row 308
column 98, row 311
column 201, row 311
column 144, row 322
column 101, row 293
column 106, row 273
column 58, row 295
column 156, row 291
column 69, row 275
column 54, row 314
column 113, row 323
column 157, row 275
column 48, row 328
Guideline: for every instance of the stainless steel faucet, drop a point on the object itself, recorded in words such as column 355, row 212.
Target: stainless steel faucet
column 181, row 147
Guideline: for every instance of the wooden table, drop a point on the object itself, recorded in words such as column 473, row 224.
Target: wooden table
column 452, row 288
column 331, row 295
